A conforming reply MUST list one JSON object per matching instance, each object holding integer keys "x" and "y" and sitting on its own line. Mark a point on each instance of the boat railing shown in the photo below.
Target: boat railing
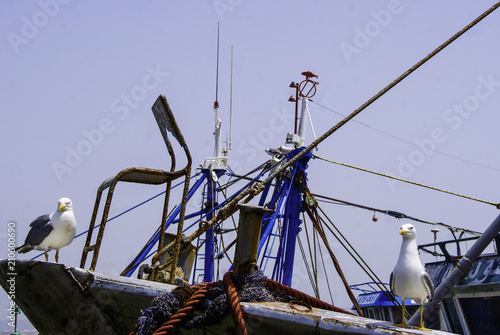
{"x": 442, "y": 245}
{"x": 369, "y": 287}
{"x": 167, "y": 124}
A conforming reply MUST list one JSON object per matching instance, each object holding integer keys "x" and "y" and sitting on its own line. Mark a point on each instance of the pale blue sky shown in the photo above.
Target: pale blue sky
{"x": 79, "y": 78}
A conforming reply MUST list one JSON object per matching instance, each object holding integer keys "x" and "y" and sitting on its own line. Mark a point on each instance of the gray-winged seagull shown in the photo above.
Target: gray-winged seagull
{"x": 51, "y": 231}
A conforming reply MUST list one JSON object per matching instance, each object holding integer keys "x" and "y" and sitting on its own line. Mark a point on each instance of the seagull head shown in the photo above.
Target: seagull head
{"x": 64, "y": 204}
{"x": 408, "y": 232}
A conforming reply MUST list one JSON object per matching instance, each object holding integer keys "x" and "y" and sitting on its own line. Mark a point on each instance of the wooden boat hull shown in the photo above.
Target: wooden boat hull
{"x": 67, "y": 300}
{"x": 59, "y": 299}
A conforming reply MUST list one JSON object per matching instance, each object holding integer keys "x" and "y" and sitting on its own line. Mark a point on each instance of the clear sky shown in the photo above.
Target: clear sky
{"x": 78, "y": 79}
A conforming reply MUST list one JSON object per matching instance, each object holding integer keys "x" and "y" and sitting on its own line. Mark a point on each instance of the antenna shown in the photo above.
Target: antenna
{"x": 217, "y": 148}
{"x": 219, "y": 160}
{"x": 230, "y": 103}
{"x": 216, "y": 103}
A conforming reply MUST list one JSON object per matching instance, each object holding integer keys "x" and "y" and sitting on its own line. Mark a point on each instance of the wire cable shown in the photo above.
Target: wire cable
{"x": 407, "y": 142}
{"x": 497, "y": 205}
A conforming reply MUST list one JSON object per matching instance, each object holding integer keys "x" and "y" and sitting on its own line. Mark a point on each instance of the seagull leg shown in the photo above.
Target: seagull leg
{"x": 403, "y": 322}
{"x": 421, "y": 326}
{"x": 57, "y": 256}
{"x": 46, "y": 257}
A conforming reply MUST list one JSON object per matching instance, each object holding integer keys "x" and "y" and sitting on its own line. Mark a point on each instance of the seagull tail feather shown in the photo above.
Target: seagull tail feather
{"x": 24, "y": 249}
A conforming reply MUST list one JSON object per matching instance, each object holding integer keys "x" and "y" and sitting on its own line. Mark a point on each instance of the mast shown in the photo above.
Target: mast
{"x": 287, "y": 198}
{"x": 217, "y": 149}
{"x": 213, "y": 169}
{"x": 305, "y": 90}
{"x": 219, "y": 159}
{"x": 229, "y": 141}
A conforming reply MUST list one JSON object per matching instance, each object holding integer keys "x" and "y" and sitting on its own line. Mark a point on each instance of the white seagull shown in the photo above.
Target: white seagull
{"x": 409, "y": 279}
{"x": 51, "y": 231}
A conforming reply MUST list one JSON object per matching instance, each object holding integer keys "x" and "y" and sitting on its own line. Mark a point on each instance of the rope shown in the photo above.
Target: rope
{"x": 405, "y": 141}
{"x": 397, "y": 215}
{"x": 366, "y": 268}
{"x": 252, "y": 191}
{"x": 287, "y": 290}
{"x": 188, "y": 307}
{"x": 497, "y": 205}
{"x": 316, "y": 220}
{"x": 234, "y": 302}
{"x": 233, "y": 298}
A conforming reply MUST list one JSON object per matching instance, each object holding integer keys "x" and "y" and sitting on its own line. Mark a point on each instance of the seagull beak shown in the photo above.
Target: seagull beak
{"x": 61, "y": 208}
{"x": 402, "y": 232}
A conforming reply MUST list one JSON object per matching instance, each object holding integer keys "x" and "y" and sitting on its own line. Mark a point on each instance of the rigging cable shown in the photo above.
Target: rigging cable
{"x": 124, "y": 212}
{"x": 324, "y": 269}
{"x": 252, "y": 191}
{"x": 407, "y": 142}
{"x": 399, "y": 215}
{"x": 308, "y": 269}
{"x": 497, "y": 205}
{"x": 366, "y": 268}
{"x": 314, "y": 261}
{"x": 316, "y": 221}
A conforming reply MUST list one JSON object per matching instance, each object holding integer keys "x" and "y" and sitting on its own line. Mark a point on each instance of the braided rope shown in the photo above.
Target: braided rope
{"x": 234, "y": 302}
{"x": 190, "y": 304}
{"x": 277, "y": 286}
{"x": 497, "y": 205}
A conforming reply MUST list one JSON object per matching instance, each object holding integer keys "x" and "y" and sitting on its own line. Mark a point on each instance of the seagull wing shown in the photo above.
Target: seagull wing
{"x": 428, "y": 283}
{"x": 391, "y": 283}
{"x": 40, "y": 221}
{"x": 40, "y": 229}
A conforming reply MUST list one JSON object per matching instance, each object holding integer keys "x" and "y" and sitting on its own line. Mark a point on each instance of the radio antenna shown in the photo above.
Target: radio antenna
{"x": 230, "y": 103}
{"x": 216, "y": 103}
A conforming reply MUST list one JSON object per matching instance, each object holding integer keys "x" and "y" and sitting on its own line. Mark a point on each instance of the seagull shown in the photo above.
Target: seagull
{"x": 409, "y": 279}
{"x": 51, "y": 231}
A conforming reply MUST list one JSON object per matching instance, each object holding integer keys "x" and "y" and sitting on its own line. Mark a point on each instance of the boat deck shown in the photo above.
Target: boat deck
{"x": 56, "y": 298}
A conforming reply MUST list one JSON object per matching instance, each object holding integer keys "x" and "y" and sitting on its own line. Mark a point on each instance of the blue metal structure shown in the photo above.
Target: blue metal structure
{"x": 210, "y": 241}
{"x": 285, "y": 221}
{"x": 279, "y": 229}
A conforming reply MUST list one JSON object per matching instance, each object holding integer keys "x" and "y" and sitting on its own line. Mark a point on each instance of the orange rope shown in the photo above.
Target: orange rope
{"x": 277, "y": 286}
{"x": 234, "y": 302}
{"x": 186, "y": 309}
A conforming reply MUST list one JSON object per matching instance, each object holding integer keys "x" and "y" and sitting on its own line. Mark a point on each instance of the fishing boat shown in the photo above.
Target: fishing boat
{"x": 188, "y": 249}
{"x": 79, "y": 298}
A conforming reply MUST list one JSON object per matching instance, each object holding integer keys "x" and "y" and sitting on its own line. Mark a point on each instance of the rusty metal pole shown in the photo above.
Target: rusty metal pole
{"x": 247, "y": 246}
